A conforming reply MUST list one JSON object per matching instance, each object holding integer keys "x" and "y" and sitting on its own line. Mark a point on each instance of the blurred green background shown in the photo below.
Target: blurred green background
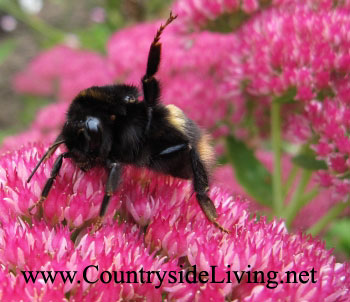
{"x": 28, "y": 26}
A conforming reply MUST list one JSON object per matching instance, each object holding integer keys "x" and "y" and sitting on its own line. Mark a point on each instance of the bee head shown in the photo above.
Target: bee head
{"x": 87, "y": 139}
{"x": 90, "y": 135}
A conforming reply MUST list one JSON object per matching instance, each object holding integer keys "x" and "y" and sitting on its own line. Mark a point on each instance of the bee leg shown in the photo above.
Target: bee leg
{"x": 59, "y": 140}
{"x": 54, "y": 172}
{"x": 201, "y": 187}
{"x": 113, "y": 181}
{"x": 154, "y": 52}
{"x": 150, "y": 85}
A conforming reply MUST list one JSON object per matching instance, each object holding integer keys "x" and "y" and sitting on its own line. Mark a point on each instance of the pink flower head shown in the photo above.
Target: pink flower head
{"x": 174, "y": 228}
{"x": 121, "y": 249}
{"x": 289, "y": 47}
{"x": 74, "y": 70}
{"x": 12, "y": 286}
{"x": 174, "y": 222}
{"x": 196, "y": 13}
{"x": 285, "y": 48}
{"x": 197, "y": 292}
{"x": 330, "y": 120}
{"x": 33, "y": 247}
{"x": 73, "y": 203}
{"x": 128, "y": 50}
{"x": 251, "y": 246}
{"x": 141, "y": 194}
{"x": 17, "y": 141}
{"x": 160, "y": 225}
{"x": 297, "y": 52}
{"x": 298, "y": 129}
{"x": 114, "y": 248}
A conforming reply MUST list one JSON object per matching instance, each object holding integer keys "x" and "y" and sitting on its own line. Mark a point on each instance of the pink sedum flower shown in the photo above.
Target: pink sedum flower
{"x": 205, "y": 74}
{"x": 12, "y": 290}
{"x": 306, "y": 50}
{"x": 197, "y": 13}
{"x": 129, "y": 58}
{"x": 330, "y": 120}
{"x": 174, "y": 228}
{"x": 298, "y": 129}
{"x": 119, "y": 248}
{"x": 197, "y": 292}
{"x": 14, "y": 142}
{"x": 73, "y": 203}
{"x": 73, "y": 70}
{"x": 280, "y": 50}
{"x": 24, "y": 247}
{"x": 254, "y": 246}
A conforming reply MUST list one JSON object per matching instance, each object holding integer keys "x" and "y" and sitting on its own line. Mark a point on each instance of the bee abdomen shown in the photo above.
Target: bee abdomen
{"x": 196, "y": 136}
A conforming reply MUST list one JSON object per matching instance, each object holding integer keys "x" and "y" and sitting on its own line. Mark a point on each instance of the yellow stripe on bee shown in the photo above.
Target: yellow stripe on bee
{"x": 176, "y": 118}
{"x": 206, "y": 151}
{"x": 91, "y": 92}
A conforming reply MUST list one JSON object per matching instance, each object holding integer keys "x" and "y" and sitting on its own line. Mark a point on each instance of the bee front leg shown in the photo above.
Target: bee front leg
{"x": 54, "y": 172}
{"x": 201, "y": 187}
{"x": 113, "y": 181}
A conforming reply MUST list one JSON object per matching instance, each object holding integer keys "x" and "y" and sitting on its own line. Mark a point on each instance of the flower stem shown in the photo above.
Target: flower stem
{"x": 297, "y": 201}
{"x": 276, "y": 148}
{"x": 327, "y": 218}
{"x": 291, "y": 178}
{"x": 304, "y": 200}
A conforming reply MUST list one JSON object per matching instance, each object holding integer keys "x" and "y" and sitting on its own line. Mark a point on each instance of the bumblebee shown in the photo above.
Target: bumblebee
{"x": 108, "y": 126}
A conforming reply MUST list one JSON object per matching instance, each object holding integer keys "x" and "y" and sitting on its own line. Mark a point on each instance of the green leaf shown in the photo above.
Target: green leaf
{"x": 250, "y": 172}
{"x": 227, "y": 22}
{"x": 324, "y": 93}
{"x": 222, "y": 160}
{"x": 288, "y": 96}
{"x": 338, "y": 236}
{"x": 95, "y": 37}
{"x": 6, "y": 48}
{"x": 308, "y": 161}
{"x": 31, "y": 106}
{"x": 155, "y": 7}
{"x": 5, "y": 133}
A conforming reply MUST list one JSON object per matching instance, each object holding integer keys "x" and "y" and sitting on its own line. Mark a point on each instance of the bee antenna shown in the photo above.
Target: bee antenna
{"x": 47, "y": 155}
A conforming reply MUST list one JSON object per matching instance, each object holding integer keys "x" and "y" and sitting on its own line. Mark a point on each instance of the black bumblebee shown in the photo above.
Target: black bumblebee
{"x": 108, "y": 126}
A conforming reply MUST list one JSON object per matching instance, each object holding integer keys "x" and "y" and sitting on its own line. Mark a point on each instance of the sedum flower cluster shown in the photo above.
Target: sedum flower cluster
{"x": 160, "y": 227}
{"x": 291, "y": 53}
{"x": 308, "y": 51}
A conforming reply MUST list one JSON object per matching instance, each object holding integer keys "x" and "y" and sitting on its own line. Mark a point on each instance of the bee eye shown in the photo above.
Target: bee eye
{"x": 129, "y": 99}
